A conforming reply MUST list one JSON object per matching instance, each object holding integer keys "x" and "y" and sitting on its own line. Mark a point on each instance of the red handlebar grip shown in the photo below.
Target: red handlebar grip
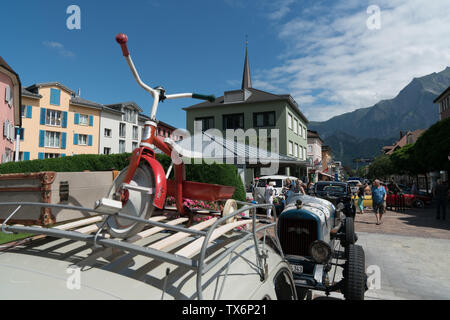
{"x": 122, "y": 40}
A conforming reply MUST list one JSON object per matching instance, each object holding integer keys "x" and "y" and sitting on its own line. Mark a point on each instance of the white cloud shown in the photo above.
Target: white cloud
{"x": 333, "y": 63}
{"x": 59, "y": 47}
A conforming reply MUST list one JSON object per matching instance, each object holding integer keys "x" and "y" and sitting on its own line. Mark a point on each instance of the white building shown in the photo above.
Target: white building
{"x": 121, "y": 128}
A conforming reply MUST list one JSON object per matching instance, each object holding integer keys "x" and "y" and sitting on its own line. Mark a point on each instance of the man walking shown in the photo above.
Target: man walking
{"x": 268, "y": 195}
{"x": 440, "y": 192}
{"x": 378, "y": 200}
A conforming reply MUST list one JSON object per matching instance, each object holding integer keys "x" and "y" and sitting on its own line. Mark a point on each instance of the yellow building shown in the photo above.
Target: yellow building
{"x": 57, "y": 123}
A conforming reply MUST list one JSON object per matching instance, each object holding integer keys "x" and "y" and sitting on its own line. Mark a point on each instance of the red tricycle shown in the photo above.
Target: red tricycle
{"x": 143, "y": 185}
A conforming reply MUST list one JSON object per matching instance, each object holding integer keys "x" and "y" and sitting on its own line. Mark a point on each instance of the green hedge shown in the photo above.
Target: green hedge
{"x": 216, "y": 173}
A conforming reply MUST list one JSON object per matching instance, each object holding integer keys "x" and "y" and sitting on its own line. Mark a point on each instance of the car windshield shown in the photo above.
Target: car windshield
{"x": 334, "y": 188}
{"x": 352, "y": 183}
{"x": 263, "y": 182}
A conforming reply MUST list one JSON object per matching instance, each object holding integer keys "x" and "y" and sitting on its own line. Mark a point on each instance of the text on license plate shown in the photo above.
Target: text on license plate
{"x": 297, "y": 268}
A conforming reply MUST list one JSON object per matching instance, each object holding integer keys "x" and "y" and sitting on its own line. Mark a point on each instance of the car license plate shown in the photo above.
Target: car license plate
{"x": 297, "y": 268}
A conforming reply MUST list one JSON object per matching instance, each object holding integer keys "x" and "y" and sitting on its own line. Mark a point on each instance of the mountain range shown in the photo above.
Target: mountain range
{"x": 363, "y": 132}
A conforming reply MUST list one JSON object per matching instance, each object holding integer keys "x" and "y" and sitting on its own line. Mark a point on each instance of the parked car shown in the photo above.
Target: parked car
{"x": 260, "y": 186}
{"x": 418, "y": 200}
{"x": 310, "y": 230}
{"x": 336, "y": 192}
{"x": 353, "y": 185}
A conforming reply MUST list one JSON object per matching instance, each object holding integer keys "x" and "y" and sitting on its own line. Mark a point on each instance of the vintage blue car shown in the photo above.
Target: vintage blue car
{"x": 316, "y": 235}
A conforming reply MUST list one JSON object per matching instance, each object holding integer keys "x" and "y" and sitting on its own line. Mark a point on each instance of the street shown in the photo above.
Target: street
{"x": 411, "y": 250}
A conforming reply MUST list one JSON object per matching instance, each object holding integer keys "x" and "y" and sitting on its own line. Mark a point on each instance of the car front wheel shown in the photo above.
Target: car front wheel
{"x": 355, "y": 280}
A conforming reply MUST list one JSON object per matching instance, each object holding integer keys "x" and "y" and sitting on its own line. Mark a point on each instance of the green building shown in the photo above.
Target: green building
{"x": 250, "y": 108}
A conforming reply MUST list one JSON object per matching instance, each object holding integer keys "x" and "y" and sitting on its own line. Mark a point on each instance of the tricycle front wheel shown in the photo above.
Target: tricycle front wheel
{"x": 135, "y": 203}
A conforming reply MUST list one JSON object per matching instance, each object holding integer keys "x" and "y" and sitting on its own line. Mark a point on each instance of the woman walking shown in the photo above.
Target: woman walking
{"x": 360, "y": 195}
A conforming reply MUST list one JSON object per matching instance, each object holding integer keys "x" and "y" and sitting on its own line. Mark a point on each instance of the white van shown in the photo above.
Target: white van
{"x": 260, "y": 186}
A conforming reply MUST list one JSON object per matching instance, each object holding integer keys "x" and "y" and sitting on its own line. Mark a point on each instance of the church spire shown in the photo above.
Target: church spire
{"x": 246, "y": 78}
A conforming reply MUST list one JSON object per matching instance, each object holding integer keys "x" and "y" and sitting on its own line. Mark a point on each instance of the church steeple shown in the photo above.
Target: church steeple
{"x": 246, "y": 78}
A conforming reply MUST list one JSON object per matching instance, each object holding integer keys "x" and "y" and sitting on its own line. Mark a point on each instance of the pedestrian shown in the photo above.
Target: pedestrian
{"x": 360, "y": 195}
{"x": 288, "y": 187}
{"x": 440, "y": 193}
{"x": 414, "y": 188}
{"x": 299, "y": 187}
{"x": 378, "y": 200}
{"x": 310, "y": 188}
{"x": 268, "y": 195}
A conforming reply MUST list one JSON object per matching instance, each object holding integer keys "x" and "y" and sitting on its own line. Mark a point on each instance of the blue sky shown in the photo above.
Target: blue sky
{"x": 319, "y": 51}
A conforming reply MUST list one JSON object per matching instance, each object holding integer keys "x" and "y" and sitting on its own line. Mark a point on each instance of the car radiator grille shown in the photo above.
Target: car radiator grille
{"x": 296, "y": 236}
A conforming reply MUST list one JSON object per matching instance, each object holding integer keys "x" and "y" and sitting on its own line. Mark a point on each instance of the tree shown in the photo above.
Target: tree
{"x": 432, "y": 149}
{"x": 382, "y": 167}
{"x": 405, "y": 161}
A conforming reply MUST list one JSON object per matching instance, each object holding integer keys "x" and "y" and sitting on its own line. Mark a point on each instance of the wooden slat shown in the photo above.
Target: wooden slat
{"x": 181, "y": 235}
{"x": 195, "y": 246}
{"x": 79, "y": 223}
{"x": 152, "y": 231}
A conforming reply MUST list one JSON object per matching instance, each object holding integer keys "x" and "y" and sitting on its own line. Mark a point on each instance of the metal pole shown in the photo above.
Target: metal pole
{"x": 16, "y": 157}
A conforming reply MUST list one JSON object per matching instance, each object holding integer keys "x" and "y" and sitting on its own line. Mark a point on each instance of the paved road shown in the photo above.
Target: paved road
{"x": 410, "y": 267}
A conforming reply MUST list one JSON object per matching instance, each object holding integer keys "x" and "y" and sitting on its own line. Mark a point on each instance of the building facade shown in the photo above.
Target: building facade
{"x": 314, "y": 155}
{"x": 10, "y": 88}
{"x": 249, "y": 108}
{"x": 444, "y": 104}
{"x": 57, "y": 123}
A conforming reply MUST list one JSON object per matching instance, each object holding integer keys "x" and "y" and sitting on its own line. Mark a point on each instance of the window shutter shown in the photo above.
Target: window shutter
{"x": 43, "y": 111}
{"x": 7, "y": 94}
{"x": 91, "y": 121}
{"x": 77, "y": 118}
{"x": 26, "y": 156}
{"x": 63, "y": 155}
{"x": 75, "y": 139}
{"x": 63, "y": 140}
{"x": 5, "y": 128}
{"x": 29, "y": 112}
{"x": 90, "y": 140}
{"x": 55, "y": 97}
{"x": 41, "y": 156}
{"x": 41, "y": 138}
{"x": 64, "y": 119}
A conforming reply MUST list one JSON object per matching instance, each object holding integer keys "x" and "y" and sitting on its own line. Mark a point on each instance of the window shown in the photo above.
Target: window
{"x": 233, "y": 121}
{"x": 296, "y": 150}
{"x": 289, "y": 121}
{"x": 106, "y": 150}
{"x": 135, "y": 133}
{"x": 122, "y": 133}
{"x": 121, "y": 146}
{"x": 291, "y": 146}
{"x": 304, "y": 133}
{"x": 84, "y": 120}
{"x": 130, "y": 115}
{"x": 82, "y": 139}
{"x": 51, "y": 155}
{"x": 207, "y": 123}
{"x": 53, "y": 118}
{"x": 300, "y": 130}
{"x": 134, "y": 145}
{"x": 304, "y": 153}
{"x": 296, "y": 126}
{"x": 310, "y": 149}
{"x": 22, "y": 111}
{"x": 108, "y": 133}
{"x": 52, "y": 139}
{"x": 264, "y": 119}
{"x": 284, "y": 287}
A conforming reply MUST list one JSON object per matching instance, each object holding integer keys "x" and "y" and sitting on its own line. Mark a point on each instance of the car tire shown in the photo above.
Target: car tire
{"x": 302, "y": 293}
{"x": 355, "y": 280}
{"x": 418, "y": 203}
{"x": 350, "y": 236}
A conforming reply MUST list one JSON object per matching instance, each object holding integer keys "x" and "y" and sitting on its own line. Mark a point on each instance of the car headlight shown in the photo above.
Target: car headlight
{"x": 320, "y": 251}
{"x": 340, "y": 206}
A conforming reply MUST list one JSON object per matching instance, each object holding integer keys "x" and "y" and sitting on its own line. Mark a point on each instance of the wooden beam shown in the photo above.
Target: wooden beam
{"x": 195, "y": 246}
{"x": 152, "y": 231}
